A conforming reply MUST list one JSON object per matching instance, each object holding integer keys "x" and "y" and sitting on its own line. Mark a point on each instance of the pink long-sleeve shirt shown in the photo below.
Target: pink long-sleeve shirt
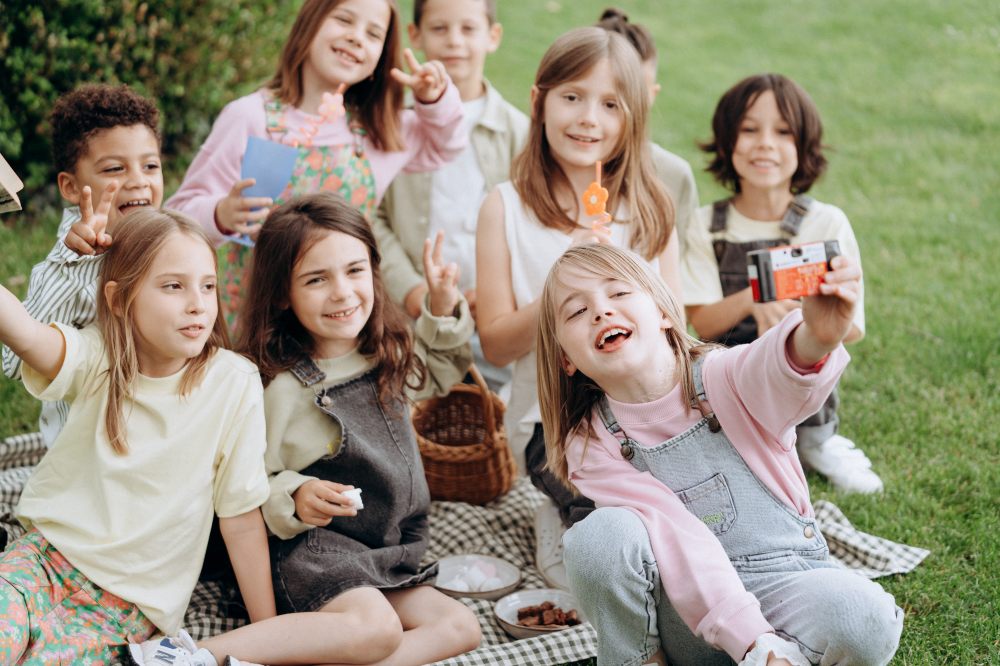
{"x": 758, "y": 397}
{"x": 431, "y": 133}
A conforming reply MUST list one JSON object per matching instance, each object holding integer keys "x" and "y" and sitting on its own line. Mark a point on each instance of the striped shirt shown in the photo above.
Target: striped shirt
{"x": 62, "y": 288}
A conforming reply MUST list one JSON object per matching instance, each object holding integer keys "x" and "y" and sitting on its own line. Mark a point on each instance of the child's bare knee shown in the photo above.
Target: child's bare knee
{"x": 382, "y": 631}
{"x": 461, "y": 624}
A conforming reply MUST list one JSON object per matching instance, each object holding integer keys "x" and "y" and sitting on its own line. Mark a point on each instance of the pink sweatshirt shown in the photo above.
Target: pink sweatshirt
{"x": 759, "y": 397}
{"x": 431, "y": 133}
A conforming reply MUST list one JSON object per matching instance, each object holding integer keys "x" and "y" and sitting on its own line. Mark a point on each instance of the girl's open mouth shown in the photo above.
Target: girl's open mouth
{"x": 612, "y": 338}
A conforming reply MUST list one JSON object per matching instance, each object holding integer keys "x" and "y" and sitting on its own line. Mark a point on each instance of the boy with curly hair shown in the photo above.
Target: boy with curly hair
{"x": 105, "y": 146}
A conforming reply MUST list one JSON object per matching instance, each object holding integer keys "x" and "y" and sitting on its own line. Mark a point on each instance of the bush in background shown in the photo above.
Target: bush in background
{"x": 190, "y": 56}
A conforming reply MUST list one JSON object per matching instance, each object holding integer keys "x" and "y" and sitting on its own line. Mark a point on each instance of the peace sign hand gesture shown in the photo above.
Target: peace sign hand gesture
{"x": 442, "y": 279}
{"x": 428, "y": 80}
{"x": 88, "y": 236}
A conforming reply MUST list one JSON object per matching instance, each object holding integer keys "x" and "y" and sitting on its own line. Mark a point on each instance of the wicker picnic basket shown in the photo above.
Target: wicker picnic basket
{"x": 463, "y": 444}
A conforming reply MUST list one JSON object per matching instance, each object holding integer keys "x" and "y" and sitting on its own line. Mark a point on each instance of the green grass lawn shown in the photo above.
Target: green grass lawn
{"x": 910, "y": 96}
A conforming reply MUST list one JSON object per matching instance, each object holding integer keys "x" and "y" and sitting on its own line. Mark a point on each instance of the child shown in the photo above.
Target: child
{"x": 688, "y": 451}
{"x": 106, "y": 145}
{"x": 589, "y": 103}
{"x": 767, "y": 149}
{"x": 460, "y": 34}
{"x": 336, "y": 357}
{"x": 333, "y": 45}
{"x": 672, "y": 169}
{"x": 165, "y": 429}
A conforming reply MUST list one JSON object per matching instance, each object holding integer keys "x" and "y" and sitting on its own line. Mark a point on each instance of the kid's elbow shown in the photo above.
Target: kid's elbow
{"x": 491, "y": 355}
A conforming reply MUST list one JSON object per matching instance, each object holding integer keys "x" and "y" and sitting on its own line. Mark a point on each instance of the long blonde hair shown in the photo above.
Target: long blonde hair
{"x": 138, "y": 239}
{"x": 628, "y": 172}
{"x": 566, "y": 401}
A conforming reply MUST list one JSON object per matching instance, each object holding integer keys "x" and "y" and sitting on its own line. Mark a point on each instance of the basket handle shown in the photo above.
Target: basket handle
{"x": 488, "y": 414}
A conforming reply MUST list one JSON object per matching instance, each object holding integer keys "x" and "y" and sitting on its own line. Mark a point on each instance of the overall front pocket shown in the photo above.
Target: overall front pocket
{"x": 712, "y": 503}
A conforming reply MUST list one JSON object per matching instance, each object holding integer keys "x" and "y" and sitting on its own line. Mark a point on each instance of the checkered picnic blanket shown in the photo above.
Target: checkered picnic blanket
{"x": 504, "y": 529}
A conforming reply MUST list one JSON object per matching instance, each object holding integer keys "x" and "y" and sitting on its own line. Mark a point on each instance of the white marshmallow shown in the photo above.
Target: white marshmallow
{"x": 354, "y": 495}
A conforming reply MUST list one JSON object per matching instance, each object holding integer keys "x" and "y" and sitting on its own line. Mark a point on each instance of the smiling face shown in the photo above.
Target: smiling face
{"x": 584, "y": 119}
{"x": 608, "y": 328}
{"x": 175, "y": 305}
{"x": 347, "y": 46}
{"x": 765, "y": 156}
{"x": 127, "y": 155}
{"x": 459, "y": 34}
{"x": 332, "y": 292}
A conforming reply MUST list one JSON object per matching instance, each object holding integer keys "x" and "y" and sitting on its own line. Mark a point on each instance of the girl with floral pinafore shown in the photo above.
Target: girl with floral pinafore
{"x": 337, "y": 97}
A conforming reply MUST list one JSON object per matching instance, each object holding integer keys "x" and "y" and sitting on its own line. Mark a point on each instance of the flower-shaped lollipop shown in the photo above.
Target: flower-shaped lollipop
{"x": 330, "y": 108}
{"x": 595, "y": 200}
{"x": 332, "y": 105}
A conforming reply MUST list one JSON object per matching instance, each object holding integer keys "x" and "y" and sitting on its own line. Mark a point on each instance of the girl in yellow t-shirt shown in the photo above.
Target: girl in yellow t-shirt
{"x": 165, "y": 429}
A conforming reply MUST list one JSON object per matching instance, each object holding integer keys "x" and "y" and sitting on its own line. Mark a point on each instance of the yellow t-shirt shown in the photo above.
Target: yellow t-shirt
{"x": 700, "y": 270}
{"x": 137, "y": 525}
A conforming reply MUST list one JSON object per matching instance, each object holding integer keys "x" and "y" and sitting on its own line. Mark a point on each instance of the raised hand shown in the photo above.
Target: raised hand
{"x": 830, "y": 315}
{"x": 442, "y": 279}
{"x": 236, "y": 213}
{"x": 317, "y": 502}
{"x": 428, "y": 80}
{"x": 88, "y": 236}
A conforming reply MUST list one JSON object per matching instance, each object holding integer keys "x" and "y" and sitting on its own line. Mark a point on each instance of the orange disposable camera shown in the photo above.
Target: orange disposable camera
{"x": 790, "y": 271}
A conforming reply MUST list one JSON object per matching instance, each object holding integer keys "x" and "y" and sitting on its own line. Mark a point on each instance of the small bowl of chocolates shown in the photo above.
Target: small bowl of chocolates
{"x": 530, "y": 613}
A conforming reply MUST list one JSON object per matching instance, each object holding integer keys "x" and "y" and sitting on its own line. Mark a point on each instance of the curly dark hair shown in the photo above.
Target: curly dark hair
{"x": 797, "y": 109}
{"x": 79, "y": 115}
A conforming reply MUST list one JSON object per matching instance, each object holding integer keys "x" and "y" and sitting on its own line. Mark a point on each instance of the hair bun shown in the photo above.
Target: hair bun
{"x": 614, "y": 14}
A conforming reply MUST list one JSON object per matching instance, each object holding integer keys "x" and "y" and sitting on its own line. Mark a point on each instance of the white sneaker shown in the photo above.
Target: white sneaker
{"x": 549, "y": 531}
{"x": 844, "y": 464}
{"x": 179, "y": 650}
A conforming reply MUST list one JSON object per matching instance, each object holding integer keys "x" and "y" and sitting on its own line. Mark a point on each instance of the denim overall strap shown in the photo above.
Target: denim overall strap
{"x": 307, "y": 372}
{"x": 792, "y": 221}
{"x": 720, "y": 215}
{"x": 709, "y": 476}
{"x": 611, "y": 423}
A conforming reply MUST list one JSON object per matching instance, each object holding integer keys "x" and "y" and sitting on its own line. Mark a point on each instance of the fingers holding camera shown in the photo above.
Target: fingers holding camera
{"x": 829, "y": 317}
{"x": 844, "y": 281}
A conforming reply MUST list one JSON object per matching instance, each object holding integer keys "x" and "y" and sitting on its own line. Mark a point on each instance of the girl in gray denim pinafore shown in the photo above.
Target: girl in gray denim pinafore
{"x": 780, "y": 556}
{"x": 382, "y": 545}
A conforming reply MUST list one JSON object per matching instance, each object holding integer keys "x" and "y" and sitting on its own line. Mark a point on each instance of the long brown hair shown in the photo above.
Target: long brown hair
{"x": 138, "y": 238}
{"x": 566, "y": 400}
{"x": 628, "y": 172}
{"x": 270, "y": 333}
{"x": 376, "y": 102}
